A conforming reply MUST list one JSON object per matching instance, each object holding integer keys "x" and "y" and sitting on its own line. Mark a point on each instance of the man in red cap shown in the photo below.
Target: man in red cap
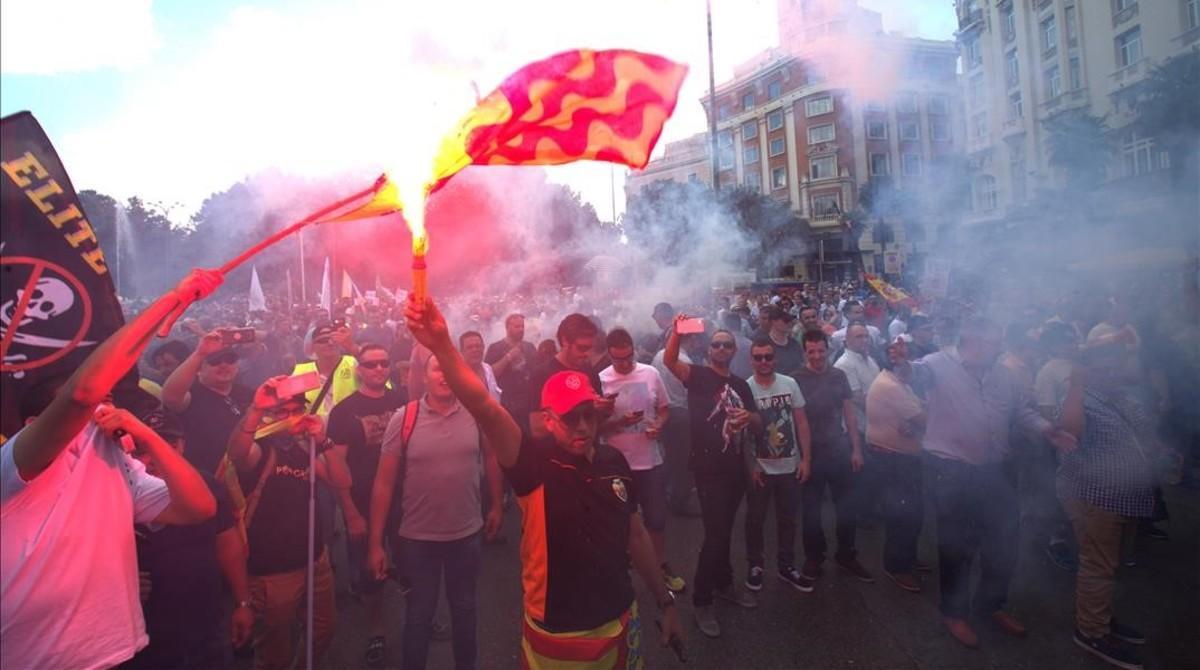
{"x": 580, "y": 525}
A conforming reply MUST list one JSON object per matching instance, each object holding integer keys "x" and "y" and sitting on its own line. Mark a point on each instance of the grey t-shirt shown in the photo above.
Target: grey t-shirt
{"x": 442, "y": 469}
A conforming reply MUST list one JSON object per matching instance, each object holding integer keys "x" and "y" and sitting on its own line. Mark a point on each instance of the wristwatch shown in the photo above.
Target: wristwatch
{"x": 669, "y": 602}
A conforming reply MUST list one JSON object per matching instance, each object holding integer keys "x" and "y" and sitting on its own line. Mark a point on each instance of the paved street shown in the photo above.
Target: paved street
{"x": 848, "y": 624}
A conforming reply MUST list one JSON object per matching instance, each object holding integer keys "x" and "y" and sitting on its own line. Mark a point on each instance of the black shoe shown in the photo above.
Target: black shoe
{"x": 1125, "y": 633}
{"x": 812, "y": 569}
{"x": 376, "y": 650}
{"x": 1106, "y": 649}
{"x": 441, "y": 631}
{"x": 754, "y": 580}
{"x": 798, "y": 581}
{"x": 855, "y": 568}
{"x": 1153, "y": 532}
{"x": 1060, "y": 554}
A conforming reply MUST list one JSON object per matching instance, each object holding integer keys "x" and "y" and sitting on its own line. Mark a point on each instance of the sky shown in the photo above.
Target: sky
{"x": 172, "y": 101}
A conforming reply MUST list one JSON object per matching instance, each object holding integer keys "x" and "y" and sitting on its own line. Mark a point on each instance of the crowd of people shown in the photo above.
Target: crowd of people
{"x": 1062, "y": 422}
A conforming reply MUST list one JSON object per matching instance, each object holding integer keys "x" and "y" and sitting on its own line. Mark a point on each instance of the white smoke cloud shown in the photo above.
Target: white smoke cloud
{"x": 66, "y": 36}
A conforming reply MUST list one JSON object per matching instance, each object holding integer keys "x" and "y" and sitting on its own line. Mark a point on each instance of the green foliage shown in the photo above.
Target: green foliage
{"x": 1078, "y": 145}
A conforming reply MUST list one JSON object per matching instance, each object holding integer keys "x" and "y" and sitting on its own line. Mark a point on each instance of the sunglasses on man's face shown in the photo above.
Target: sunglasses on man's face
{"x": 374, "y": 365}
{"x": 723, "y": 345}
{"x": 580, "y": 414}
{"x": 764, "y": 358}
{"x": 322, "y": 340}
{"x": 227, "y": 358}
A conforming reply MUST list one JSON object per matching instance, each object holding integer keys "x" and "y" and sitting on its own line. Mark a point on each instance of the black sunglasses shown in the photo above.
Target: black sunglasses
{"x": 371, "y": 365}
{"x": 723, "y": 345}
{"x": 586, "y": 413}
{"x": 764, "y": 358}
{"x": 226, "y": 357}
{"x": 322, "y": 340}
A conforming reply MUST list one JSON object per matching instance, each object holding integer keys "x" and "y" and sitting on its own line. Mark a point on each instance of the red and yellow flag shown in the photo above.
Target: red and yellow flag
{"x": 890, "y": 293}
{"x": 384, "y": 199}
{"x": 576, "y": 105}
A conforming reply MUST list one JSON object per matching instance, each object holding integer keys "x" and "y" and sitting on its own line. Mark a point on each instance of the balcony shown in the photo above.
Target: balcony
{"x": 1013, "y": 127}
{"x": 1130, "y": 73}
{"x": 1188, "y": 36}
{"x": 970, "y": 20}
{"x": 1125, "y": 14}
{"x": 1053, "y": 104}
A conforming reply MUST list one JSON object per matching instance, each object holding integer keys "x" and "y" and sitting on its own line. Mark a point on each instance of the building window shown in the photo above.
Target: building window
{"x": 1138, "y": 156}
{"x": 818, "y": 106}
{"x": 1014, "y": 106}
{"x": 775, "y": 120}
{"x": 1016, "y": 171}
{"x": 725, "y": 139}
{"x": 1053, "y": 83}
{"x": 774, "y": 90}
{"x": 876, "y": 106}
{"x": 822, "y": 133}
{"x": 1012, "y": 69}
{"x": 750, "y": 154}
{"x": 725, "y": 158}
{"x": 906, "y": 103}
{"x": 1129, "y": 47}
{"x": 777, "y": 147}
{"x": 979, "y": 125}
{"x": 910, "y": 165}
{"x": 748, "y": 100}
{"x": 977, "y": 90}
{"x": 909, "y": 130}
{"x": 754, "y": 181}
{"x": 749, "y": 130}
{"x": 779, "y": 178}
{"x": 985, "y": 193}
{"x": 1121, "y": 5}
{"x": 939, "y": 130}
{"x": 1008, "y": 24}
{"x": 1072, "y": 30}
{"x": 1049, "y": 33}
{"x": 824, "y": 167}
{"x": 722, "y": 112}
{"x": 1191, "y": 13}
{"x": 693, "y": 178}
{"x": 1074, "y": 76}
{"x": 877, "y": 130}
{"x": 973, "y": 52}
{"x": 826, "y": 205}
{"x": 879, "y": 165}
{"x": 938, "y": 104}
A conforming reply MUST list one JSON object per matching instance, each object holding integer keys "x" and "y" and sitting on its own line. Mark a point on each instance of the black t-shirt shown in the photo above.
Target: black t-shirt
{"x": 359, "y": 422}
{"x": 824, "y": 394}
{"x": 186, "y": 599}
{"x": 208, "y": 421}
{"x": 514, "y": 381}
{"x": 279, "y": 530}
{"x": 574, "y": 554}
{"x": 548, "y": 370}
{"x": 709, "y": 395}
{"x": 789, "y": 356}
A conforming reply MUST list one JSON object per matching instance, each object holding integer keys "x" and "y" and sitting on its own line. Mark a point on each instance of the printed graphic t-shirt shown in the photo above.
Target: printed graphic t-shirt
{"x": 777, "y": 450}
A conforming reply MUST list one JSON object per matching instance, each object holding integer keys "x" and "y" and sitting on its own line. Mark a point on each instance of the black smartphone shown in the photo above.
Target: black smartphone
{"x": 676, "y": 644}
{"x": 231, "y": 336}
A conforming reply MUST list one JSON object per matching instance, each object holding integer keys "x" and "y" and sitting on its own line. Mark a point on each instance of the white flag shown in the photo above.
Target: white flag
{"x": 326, "y": 300}
{"x": 258, "y": 301}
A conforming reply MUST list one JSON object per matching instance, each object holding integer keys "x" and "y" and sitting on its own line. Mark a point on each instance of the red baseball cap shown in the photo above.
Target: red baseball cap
{"x": 563, "y": 391}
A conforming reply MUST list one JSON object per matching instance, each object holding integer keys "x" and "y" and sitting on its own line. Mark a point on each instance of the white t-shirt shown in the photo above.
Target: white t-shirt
{"x": 675, "y": 391}
{"x": 1050, "y": 385}
{"x": 861, "y": 372}
{"x": 778, "y": 449}
{"x": 68, "y": 562}
{"x": 641, "y": 390}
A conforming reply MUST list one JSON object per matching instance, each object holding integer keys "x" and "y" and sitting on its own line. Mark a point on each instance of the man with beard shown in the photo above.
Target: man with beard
{"x": 356, "y": 428}
{"x": 204, "y": 392}
{"x": 576, "y": 340}
{"x": 721, "y": 407}
{"x": 470, "y": 344}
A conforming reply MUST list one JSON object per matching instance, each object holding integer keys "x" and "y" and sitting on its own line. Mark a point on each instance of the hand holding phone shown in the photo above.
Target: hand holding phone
{"x": 294, "y": 386}
{"x": 232, "y": 336}
{"x": 689, "y": 326}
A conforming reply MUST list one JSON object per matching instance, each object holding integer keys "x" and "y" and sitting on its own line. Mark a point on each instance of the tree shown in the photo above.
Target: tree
{"x": 1167, "y": 103}
{"x": 1078, "y": 145}
{"x": 772, "y": 223}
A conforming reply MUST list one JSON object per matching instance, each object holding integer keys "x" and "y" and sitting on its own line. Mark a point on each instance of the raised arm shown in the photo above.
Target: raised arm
{"x": 429, "y": 328}
{"x": 176, "y": 390}
{"x": 671, "y": 353}
{"x": 69, "y": 412}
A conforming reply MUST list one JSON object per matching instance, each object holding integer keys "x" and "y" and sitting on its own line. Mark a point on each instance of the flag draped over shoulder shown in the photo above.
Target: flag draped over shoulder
{"x": 57, "y": 300}
{"x": 576, "y": 105}
{"x": 890, "y": 293}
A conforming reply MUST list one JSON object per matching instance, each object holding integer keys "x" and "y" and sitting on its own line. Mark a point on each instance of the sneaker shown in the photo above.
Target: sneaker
{"x": 754, "y": 580}
{"x": 1126, "y": 633}
{"x": 706, "y": 620}
{"x": 905, "y": 581}
{"x": 798, "y": 581}
{"x": 673, "y": 582}
{"x": 1060, "y": 554}
{"x": 1106, "y": 649}
{"x": 1152, "y": 531}
{"x": 738, "y": 597}
{"x": 962, "y": 631}
{"x": 1009, "y": 624}
{"x": 812, "y": 569}
{"x": 922, "y": 567}
{"x": 855, "y": 568}
{"x": 376, "y": 650}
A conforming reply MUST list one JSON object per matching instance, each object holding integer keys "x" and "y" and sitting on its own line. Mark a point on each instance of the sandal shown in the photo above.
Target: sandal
{"x": 374, "y": 655}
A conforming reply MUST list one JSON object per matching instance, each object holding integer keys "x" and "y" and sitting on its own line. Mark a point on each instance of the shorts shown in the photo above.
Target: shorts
{"x": 650, "y": 491}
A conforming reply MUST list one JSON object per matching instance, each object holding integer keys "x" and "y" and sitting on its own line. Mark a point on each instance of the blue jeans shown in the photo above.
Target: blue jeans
{"x": 423, "y": 563}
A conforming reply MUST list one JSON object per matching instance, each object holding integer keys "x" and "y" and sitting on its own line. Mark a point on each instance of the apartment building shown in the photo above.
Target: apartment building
{"x": 686, "y": 160}
{"x": 1026, "y": 61}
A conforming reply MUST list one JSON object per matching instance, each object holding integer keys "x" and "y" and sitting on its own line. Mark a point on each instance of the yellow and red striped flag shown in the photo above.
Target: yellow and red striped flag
{"x": 890, "y": 293}
{"x": 576, "y": 105}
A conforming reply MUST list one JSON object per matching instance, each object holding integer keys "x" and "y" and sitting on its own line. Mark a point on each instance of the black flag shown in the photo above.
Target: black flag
{"x": 57, "y": 301}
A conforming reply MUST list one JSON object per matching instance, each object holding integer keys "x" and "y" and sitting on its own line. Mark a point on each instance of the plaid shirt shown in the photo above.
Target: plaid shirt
{"x": 1112, "y": 468}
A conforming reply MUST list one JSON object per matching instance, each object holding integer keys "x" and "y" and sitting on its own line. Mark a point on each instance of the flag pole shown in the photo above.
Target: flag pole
{"x": 303, "y": 290}
{"x": 712, "y": 101}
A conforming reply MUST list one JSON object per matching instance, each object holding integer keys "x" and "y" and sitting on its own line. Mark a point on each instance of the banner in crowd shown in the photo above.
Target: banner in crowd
{"x": 57, "y": 300}
{"x": 890, "y": 293}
